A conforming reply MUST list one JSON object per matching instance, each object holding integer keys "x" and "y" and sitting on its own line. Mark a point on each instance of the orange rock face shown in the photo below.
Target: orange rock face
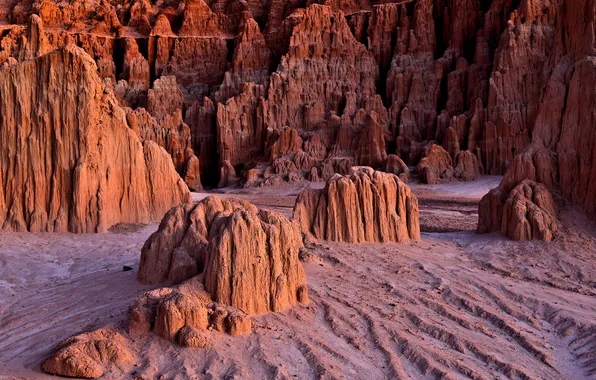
{"x": 248, "y": 258}
{"x": 436, "y": 167}
{"x": 357, "y": 81}
{"x": 367, "y": 206}
{"x": 70, "y": 160}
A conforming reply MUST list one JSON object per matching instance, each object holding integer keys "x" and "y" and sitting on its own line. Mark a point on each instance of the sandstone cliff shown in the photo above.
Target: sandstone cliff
{"x": 561, "y": 153}
{"x": 70, "y": 162}
{"x": 360, "y": 80}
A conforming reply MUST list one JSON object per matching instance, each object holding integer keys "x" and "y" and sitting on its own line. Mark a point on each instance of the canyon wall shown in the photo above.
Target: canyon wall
{"x": 69, "y": 161}
{"x": 561, "y": 155}
{"x": 355, "y": 81}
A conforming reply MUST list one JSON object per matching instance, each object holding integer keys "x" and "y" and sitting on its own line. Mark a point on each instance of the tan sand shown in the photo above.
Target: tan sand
{"x": 455, "y": 305}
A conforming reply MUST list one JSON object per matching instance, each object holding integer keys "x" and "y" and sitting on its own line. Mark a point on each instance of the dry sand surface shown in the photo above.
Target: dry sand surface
{"x": 454, "y": 305}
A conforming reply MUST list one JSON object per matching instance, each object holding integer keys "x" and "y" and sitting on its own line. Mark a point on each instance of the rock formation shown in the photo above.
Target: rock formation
{"x": 436, "y": 167}
{"x": 185, "y": 314}
{"x": 362, "y": 79}
{"x": 232, "y": 261}
{"x": 395, "y": 165}
{"x": 527, "y": 212}
{"x": 70, "y": 160}
{"x": 228, "y": 242}
{"x": 467, "y": 167}
{"x": 561, "y": 152}
{"x": 366, "y": 206}
{"x": 89, "y": 355}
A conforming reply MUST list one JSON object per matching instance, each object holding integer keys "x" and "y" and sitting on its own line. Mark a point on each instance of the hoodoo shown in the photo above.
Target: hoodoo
{"x": 235, "y": 256}
{"x": 366, "y": 206}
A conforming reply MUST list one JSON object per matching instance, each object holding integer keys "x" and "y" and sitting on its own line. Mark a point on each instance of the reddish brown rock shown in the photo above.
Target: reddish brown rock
{"x": 89, "y": 355}
{"x": 34, "y": 42}
{"x": 185, "y": 314}
{"x": 192, "y": 174}
{"x": 194, "y": 338}
{"x": 527, "y": 212}
{"x": 142, "y": 313}
{"x": 201, "y": 119}
{"x": 366, "y": 206}
{"x": 255, "y": 278}
{"x": 252, "y": 57}
{"x": 288, "y": 142}
{"x": 136, "y": 67}
{"x": 169, "y": 132}
{"x": 185, "y": 306}
{"x": 467, "y": 167}
{"x": 200, "y": 21}
{"x": 165, "y": 97}
{"x": 87, "y": 146}
{"x": 487, "y": 77}
{"x": 323, "y": 65}
{"x": 563, "y": 140}
{"x": 396, "y": 166}
{"x": 240, "y": 137}
{"x": 436, "y": 167}
{"x": 227, "y": 177}
{"x": 372, "y": 149}
{"x": 249, "y": 259}
{"x": 238, "y": 324}
{"x": 185, "y": 226}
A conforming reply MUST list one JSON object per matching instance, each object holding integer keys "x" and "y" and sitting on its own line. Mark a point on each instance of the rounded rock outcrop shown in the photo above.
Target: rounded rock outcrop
{"x": 89, "y": 355}
{"x": 436, "y": 167}
{"x": 248, "y": 259}
{"x": 366, "y": 206}
{"x": 527, "y": 212}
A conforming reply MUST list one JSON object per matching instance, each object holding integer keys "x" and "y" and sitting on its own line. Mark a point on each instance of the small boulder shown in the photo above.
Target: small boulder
{"x": 238, "y": 324}
{"x": 89, "y": 355}
{"x": 194, "y": 338}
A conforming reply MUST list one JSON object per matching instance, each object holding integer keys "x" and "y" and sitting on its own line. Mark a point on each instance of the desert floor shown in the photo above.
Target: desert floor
{"x": 454, "y": 305}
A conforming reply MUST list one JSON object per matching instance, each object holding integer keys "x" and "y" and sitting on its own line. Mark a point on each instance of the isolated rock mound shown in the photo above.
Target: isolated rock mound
{"x": 185, "y": 314}
{"x": 89, "y": 355}
{"x": 437, "y": 167}
{"x": 183, "y": 234}
{"x": 70, "y": 162}
{"x": 467, "y": 167}
{"x": 527, "y": 212}
{"x": 366, "y": 206}
{"x": 252, "y": 261}
{"x": 233, "y": 260}
{"x": 247, "y": 258}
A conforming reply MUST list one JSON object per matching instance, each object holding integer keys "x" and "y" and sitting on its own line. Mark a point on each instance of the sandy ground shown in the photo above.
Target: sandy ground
{"x": 454, "y": 305}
